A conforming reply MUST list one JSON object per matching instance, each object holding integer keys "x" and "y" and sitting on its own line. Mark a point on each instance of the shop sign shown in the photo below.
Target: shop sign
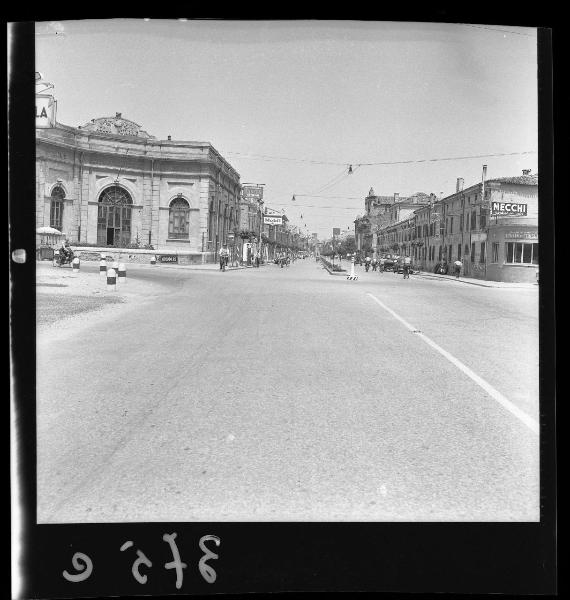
{"x": 168, "y": 258}
{"x": 508, "y": 208}
{"x": 45, "y": 111}
{"x": 253, "y": 193}
{"x": 272, "y": 220}
{"x": 521, "y": 235}
{"x": 230, "y": 239}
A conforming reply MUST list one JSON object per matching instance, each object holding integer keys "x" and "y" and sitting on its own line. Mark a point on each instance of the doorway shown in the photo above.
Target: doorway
{"x": 114, "y": 217}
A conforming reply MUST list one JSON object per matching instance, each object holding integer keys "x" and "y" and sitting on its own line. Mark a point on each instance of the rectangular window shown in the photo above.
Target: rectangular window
{"x": 483, "y": 253}
{"x": 56, "y": 214}
{"x": 458, "y": 251}
{"x": 460, "y": 223}
{"x": 451, "y": 225}
{"x": 495, "y": 252}
{"x": 473, "y": 220}
{"x": 473, "y": 252}
{"x": 483, "y": 219}
{"x": 521, "y": 253}
{"x": 527, "y": 253}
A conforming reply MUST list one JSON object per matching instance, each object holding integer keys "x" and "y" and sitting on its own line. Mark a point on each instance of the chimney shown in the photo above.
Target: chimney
{"x": 459, "y": 186}
{"x": 526, "y": 171}
{"x": 396, "y": 197}
{"x": 484, "y": 172}
{"x": 117, "y": 115}
{"x": 169, "y": 138}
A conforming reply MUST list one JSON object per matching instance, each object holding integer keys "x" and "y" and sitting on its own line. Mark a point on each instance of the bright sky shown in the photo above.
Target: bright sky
{"x": 292, "y": 104}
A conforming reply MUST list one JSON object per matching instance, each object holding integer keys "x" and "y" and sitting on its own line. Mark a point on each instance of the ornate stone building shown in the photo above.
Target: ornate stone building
{"x": 110, "y": 183}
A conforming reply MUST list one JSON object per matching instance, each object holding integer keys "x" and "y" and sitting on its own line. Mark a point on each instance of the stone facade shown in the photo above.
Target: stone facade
{"x": 109, "y": 183}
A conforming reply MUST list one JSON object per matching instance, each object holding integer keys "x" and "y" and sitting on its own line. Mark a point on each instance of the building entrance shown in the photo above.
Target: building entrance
{"x": 114, "y": 217}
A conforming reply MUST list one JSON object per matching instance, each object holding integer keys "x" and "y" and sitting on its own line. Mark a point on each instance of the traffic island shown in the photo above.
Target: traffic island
{"x": 333, "y": 269}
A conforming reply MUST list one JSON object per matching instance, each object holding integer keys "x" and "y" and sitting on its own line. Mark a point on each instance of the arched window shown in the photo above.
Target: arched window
{"x": 179, "y": 220}
{"x": 56, "y": 208}
{"x": 114, "y": 217}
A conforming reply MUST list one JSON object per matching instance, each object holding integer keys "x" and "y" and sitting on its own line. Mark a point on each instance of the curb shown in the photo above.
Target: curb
{"x": 487, "y": 285}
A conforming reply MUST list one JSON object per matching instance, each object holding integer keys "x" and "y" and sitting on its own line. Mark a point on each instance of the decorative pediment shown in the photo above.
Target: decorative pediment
{"x": 116, "y": 125}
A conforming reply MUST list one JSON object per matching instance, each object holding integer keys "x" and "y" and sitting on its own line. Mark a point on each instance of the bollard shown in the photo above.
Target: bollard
{"x": 75, "y": 265}
{"x": 352, "y": 275}
{"x": 103, "y": 268}
{"x": 153, "y": 260}
{"x": 111, "y": 280}
{"x": 122, "y": 274}
{"x": 115, "y": 266}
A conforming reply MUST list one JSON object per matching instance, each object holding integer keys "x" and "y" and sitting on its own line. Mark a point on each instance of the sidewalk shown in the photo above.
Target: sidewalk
{"x": 479, "y": 282}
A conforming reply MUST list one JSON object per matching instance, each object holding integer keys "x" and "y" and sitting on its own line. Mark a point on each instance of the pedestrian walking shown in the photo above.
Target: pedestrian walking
{"x": 457, "y": 268}
{"x": 407, "y": 267}
{"x": 257, "y": 259}
{"x": 374, "y": 264}
{"x": 382, "y": 263}
{"x": 224, "y": 256}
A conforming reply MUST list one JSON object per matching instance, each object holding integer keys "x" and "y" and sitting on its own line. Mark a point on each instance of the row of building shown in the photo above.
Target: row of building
{"x": 108, "y": 183}
{"x": 491, "y": 226}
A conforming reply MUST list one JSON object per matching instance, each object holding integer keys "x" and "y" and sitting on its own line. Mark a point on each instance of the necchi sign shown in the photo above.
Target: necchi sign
{"x": 508, "y": 208}
{"x": 272, "y": 220}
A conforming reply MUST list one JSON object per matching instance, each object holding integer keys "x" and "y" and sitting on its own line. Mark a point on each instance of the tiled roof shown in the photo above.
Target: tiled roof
{"x": 519, "y": 179}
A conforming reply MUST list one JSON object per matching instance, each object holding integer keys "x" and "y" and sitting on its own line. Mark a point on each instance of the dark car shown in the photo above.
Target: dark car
{"x": 389, "y": 264}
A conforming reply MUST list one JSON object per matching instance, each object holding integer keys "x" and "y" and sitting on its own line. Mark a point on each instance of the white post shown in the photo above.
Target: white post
{"x": 122, "y": 274}
{"x": 103, "y": 268}
{"x": 111, "y": 280}
{"x": 153, "y": 260}
{"x": 352, "y": 274}
{"x": 75, "y": 265}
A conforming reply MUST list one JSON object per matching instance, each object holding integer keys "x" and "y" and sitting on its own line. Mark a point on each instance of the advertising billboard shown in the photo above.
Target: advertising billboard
{"x": 508, "y": 208}
{"x": 45, "y": 111}
{"x": 251, "y": 192}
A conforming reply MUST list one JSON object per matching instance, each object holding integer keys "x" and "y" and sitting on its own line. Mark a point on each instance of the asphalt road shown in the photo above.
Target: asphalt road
{"x": 293, "y": 395}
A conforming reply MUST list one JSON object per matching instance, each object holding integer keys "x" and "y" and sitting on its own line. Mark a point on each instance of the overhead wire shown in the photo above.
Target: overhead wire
{"x": 356, "y": 164}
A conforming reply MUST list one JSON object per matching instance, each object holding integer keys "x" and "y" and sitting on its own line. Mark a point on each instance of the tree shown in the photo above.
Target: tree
{"x": 348, "y": 245}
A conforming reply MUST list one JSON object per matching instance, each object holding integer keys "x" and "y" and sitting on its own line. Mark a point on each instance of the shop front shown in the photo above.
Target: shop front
{"x": 513, "y": 253}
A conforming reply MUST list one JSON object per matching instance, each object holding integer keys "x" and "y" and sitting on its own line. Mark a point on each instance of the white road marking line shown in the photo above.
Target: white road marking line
{"x": 496, "y": 395}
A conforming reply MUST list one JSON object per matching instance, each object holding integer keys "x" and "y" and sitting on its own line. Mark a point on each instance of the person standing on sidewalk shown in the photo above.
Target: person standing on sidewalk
{"x": 257, "y": 259}
{"x": 457, "y": 268}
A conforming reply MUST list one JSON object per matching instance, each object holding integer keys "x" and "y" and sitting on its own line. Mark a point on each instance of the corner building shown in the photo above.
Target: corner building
{"x": 109, "y": 183}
